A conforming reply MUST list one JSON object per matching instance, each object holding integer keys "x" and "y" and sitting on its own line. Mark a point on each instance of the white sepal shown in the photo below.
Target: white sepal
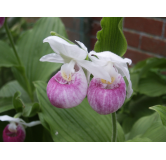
{"x": 56, "y": 43}
{"x": 53, "y": 57}
{"x": 123, "y": 70}
{"x": 109, "y": 56}
{"x": 62, "y": 47}
{"x": 96, "y": 70}
{"x": 82, "y": 45}
{"x": 19, "y": 120}
{"x": 97, "y": 61}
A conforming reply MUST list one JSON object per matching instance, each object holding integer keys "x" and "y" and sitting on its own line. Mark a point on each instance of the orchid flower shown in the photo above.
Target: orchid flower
{"x": 2, "y": 20}
{"x": 15, "y": 130}
{"x": 68, "y": 87}
{"x": 105, "y": 96}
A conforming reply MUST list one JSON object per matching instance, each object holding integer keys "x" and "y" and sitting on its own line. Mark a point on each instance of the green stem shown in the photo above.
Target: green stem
{"x": 114, "y": 127}
{"x": 29, "y": 90}
{"x": 11, "y": 41}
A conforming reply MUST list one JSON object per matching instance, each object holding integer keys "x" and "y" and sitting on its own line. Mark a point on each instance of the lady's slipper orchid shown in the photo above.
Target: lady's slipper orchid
{"x": 15, "y": 131}
{"x": 68, "y": 87}
{"x": 2, "y": 20}
{"x": 105, "y": 96}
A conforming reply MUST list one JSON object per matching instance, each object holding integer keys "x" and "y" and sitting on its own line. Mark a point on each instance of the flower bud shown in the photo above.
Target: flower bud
{"x": 2, "y": 20}
{"x": 106, "y": 98}
{"x": 14, "y": 133}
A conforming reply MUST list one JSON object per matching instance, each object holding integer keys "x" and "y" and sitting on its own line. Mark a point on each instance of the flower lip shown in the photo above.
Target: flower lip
{"x": 105, "y": 101}
{"x": 12, "y": 136}
{"x": 70, "y": 94}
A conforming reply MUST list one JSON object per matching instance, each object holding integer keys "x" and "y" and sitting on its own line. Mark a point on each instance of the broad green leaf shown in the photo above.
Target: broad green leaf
{"x": 43, "y": 121}
{"x": 30, "y": 110}
{"x": 17, "y": 102}
{"x": 157, "y": 132}
{"x": 127, "y": 124}
{"x": 7, "y": 56}
{"x": 78, "y": 124}
{"x": 111, "y": 37}
{"x": 138, "y": 66}
{"x": 142, "y": 125}
{"x": 135, "y": 108}
{"x": 140, "y": 139}
{"x": 153, "y": 63}
{"x": 31, "y": 49}
{"x": 153, "y": 85}
{"x": 18, "y": 72}
{"x": 9, "y": 89}
{"x": 161, "y": 110}
{"x": 46, "y": 136}
{"x": 6, "y": 104}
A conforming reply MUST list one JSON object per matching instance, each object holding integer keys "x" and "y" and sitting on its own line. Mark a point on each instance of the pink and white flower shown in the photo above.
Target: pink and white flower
{"x": 69, "y": 86}
{"x": 106, "y": 96}
{"x": 15, "y": 130}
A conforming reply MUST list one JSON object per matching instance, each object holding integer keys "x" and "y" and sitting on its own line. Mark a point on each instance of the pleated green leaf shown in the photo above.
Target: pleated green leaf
{"x": 31, "y": 110}
{"x": 140, "y": 139}
{"x": 17, "y": 102}
{"x": 142, "y": 125}
{"x": 27, "y": 109}
{"x": 7, "y": 57}
{"x": 6, "y": 104}
{"x": 111, "y": 37}
{"x": 79, "y": 124}
{"x": 10, "y": 88}
{"x": 157, "y": 132}
{"x": 161, "y": 110}
{"x": 31, "y": 49}
{"x": 152, "y": 85}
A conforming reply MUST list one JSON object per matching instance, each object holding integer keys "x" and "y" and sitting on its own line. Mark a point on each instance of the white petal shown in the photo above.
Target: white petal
{"x": 52, "y": 58}
{"x": 54, "y": 42}
{"x": 60, "y": 46}
{"x": 19, "y": 120}
{"x": 10, "y": 119}
{"x": 33, "y": 123}
{"x": 123, "y": 70}
{"x": 96, "y": 70}
{"x": 100, "y": 62}
{"x": 82, "y": 45}
{"x": 109, "y": 56}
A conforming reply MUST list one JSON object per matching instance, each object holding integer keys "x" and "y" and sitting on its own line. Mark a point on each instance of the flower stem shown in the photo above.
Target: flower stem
{"x": 29, "y": 90}
{"x": 114, "y": 127}
{"x": 11, "y": 41}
